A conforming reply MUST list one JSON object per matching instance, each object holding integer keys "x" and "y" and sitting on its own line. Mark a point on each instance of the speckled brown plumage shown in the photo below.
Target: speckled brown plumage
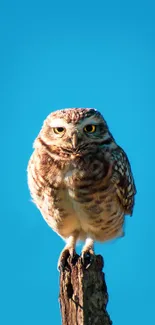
{"x": 80, "y": 179}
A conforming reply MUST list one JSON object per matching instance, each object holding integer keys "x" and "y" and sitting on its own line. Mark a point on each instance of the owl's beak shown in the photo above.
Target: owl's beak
{"x": 74, "y": 140}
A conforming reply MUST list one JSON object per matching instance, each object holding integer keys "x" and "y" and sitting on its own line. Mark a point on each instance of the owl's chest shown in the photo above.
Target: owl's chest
{"x": 91, "y": 195}
{"x": 83, "y": 179}
{"x": 78, "y": 177}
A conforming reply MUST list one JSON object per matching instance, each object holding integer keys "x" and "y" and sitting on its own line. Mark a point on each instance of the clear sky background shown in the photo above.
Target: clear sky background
{"x": 57, "y": 54}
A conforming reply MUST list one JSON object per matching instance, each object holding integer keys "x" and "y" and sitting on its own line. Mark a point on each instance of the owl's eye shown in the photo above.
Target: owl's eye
{"x": 90, "y": 128}
{"x": 59, "y": 130}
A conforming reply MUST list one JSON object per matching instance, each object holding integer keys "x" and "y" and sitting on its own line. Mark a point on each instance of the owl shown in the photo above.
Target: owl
{"x": 80, "y": 180}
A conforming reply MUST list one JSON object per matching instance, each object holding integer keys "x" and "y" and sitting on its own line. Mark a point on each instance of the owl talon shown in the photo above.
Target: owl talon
{"x": 87, "y": 258}
{"x": 63, "y": 259}
{"x": 61, "y": 267}
{"x": 62, "y": 262}
{"x": 73, "y": 255}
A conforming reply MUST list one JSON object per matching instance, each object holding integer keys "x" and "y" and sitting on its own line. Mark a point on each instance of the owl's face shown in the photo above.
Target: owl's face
{"x": 74, "y": 130}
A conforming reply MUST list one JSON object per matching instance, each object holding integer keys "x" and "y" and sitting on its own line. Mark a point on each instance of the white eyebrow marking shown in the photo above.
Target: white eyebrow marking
{"x": 59, "y": 122}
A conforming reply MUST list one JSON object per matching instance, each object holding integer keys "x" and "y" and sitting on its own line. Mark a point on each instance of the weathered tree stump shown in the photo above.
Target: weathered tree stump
{"x": 83, "y": 294}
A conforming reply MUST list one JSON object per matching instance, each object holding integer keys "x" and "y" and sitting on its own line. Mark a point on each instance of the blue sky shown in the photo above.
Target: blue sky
{"x": 56, "y": 54}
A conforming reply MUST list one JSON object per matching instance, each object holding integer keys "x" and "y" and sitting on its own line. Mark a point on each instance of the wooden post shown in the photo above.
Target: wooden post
{"x": 83, "y": 294}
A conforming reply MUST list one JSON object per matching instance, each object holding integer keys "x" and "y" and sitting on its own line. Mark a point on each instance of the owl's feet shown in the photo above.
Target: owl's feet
{"x": 87, "y": 257}
{"x": 63, "y": 259}
{"x": 87, "y": 254}
{"x": 68, "y": 251}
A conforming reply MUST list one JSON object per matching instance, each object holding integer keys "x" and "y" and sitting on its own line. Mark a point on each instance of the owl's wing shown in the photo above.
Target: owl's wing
{"x": 123, "y": 179}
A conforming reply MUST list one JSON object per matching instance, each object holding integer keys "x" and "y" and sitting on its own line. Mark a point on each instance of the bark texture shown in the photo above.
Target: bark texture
{"x": 83, "y": 294}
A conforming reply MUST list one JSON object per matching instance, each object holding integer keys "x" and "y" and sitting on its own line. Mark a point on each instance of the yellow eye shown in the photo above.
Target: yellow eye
{"x": 90, "y": 128}
{"x": 59, "y": 130}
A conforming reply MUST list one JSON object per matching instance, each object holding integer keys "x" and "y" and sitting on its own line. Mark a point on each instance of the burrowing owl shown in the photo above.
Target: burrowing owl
{"x": 80, "y": 179}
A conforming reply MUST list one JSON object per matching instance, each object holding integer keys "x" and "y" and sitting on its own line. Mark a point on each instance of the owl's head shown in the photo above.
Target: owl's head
{"x": 74, "y": 130}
